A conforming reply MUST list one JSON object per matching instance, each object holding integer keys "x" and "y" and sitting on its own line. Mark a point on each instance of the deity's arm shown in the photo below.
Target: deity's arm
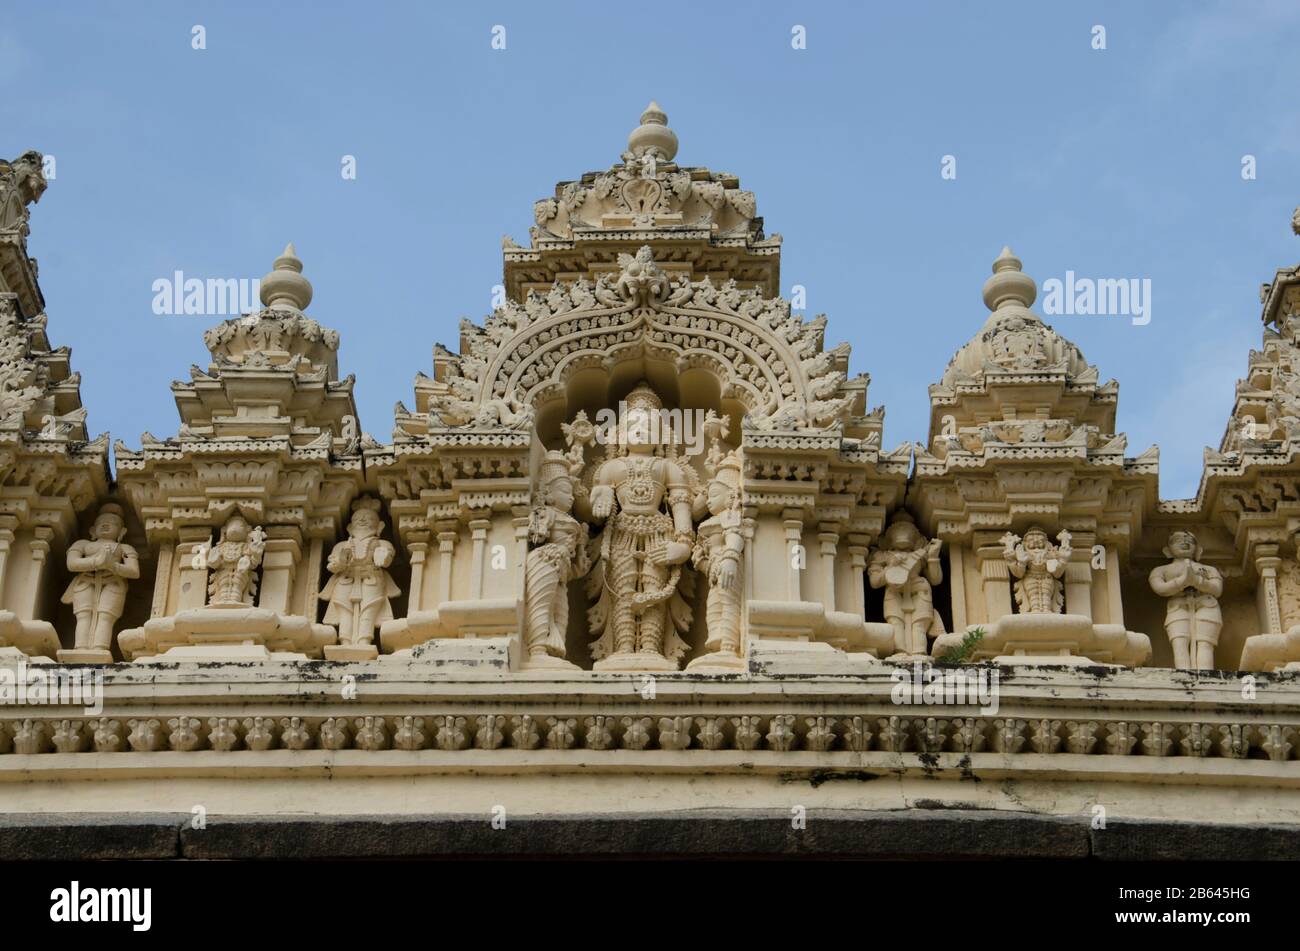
{"x": 1016, "y": 566}
{"x": 214, "y": 556}
{"x": 78, "y": 560}
{"x": 338, "y": 557}
{"x": 679, "y": 499}
{"x": 1168, "y": 580}
{"x": 384, "y": 554}
{"x": 129, "y": 565}
{"x": 876, "y": 569}
{"x": 933, "y": 567}
{"x": 1209, "y": 581}
{"x": 601, "y": 495}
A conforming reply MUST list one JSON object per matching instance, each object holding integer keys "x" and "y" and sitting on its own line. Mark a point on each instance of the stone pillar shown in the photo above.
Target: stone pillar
{"x": 522, "y": 514}
{"x": 279, "y": 568}
{"x": 1078, "y": 576}
{"x": 8, "y": 529}
{"x": 478, "y": 528}
{"x": 795, "y": 555}
{"x": 311, "y": 579}
{"x": 40, "y": 546}
{"x": 162, "y": 581}
{"x": 859, "y": 546}
{"x": 996, "y": 575}
{"x": 447, "y": 535}
{"x": 1267, "y": 562}
{"x": 829, "y": 541}
{"x": 192, "y": 587}
{"x": 957, "y": 586}
{"x": 417, "y": 548}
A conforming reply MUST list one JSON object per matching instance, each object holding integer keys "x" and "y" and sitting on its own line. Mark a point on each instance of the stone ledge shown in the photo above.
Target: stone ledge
{"x": 912, "y": 834}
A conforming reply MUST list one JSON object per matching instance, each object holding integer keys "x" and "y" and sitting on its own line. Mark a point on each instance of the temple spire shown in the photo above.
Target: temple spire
{"x": 285, "y": 286}
{"x": 653, "y": 133}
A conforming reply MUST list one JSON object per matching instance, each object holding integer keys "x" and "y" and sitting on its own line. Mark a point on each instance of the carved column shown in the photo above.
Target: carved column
{"x": 859, "y": 546}
{"x": 40, "y": 545}
{"x": 829, "y": 541}
{"x": 1078, "y": 576}
{"x": 417, "y": 548}
{"x": 311, "y": 593}
{"x": 162, "y": 581}
{"x": 478, "y": 528}
{"x": 1267, "y": 562}
{"x": 996, "y": 575}
{"x": 521, "y": 515}
{"x": 8, "y": 528}
{"x": 192, "y": 589}
{"x": 957, "y": 586}
{"x": 447, "y": 536}
{"x": 279, "y": 566}
{"x": 795, "y": 555}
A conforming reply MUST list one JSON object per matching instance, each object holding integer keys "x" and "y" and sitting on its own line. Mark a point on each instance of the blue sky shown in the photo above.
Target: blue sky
{"x": 1117, "y": 163}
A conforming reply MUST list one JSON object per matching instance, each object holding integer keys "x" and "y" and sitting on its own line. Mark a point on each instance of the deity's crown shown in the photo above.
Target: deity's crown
{"x": 366, "y": 503}
{"x": 643, "y": 397}
{"x": 555, "y": 465}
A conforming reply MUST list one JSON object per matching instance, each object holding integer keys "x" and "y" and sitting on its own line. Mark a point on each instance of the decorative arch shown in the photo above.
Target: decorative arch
{"x": 768, "y": 361}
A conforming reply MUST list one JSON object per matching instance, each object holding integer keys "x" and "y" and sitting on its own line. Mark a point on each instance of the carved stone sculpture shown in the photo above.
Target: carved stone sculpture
{"x": 906, "y": 565}
{"x": 643, "y": 496}
{"x": 359, "y": 590}
{"x": 719, "y": 554}
{"x": 233, "y": 561}
{"x": 557, "y": 552}
{"x": 1192, "y": 615}
{"x": 1038, "y": 567}
{"x": 101, "y": 565}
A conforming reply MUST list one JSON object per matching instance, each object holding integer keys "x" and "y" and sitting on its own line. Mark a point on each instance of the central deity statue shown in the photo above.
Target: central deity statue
{"x": 1038, "y": 566}
{"x": 643, "y": 493}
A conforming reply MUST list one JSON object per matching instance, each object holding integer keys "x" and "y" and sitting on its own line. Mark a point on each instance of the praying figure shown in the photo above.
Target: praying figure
{"x": 1038, "y": 566}
{"x": 101, "y": 566}
{"x": 557, "y": 553}
{"x": 234, "y": 561}
{"x": 719, "y": 553}
{"x": 907, "y": 567}
{"x": 360, "y": 588}
{"x": 1192, "y": 615}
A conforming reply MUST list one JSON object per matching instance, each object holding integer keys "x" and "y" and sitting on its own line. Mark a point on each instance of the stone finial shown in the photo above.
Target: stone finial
{"x": 1295, "y": 221}
{"x": 285, "y": 286}
{"x": 1008, "y": 285}
{"x": 653, "y": 133}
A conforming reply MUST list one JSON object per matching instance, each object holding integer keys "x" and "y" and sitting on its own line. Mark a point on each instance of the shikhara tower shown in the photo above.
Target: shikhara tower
{"x": 527, "y": 611}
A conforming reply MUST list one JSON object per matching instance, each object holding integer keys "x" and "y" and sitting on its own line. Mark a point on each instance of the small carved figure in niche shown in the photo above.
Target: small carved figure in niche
{"x": 558, "y": 551}
{"x": 720, "y": 549}
{"x": 907, "y": 566}
{"x": 359, "y": 590}
{"x": 102, "y": 565}
{"x": 1192, "y": 615}
{"x": 233, "y": 561}
{"x": 1038, "y": 567}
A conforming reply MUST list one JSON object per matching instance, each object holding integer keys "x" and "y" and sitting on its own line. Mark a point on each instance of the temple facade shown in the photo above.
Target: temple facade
{"x": 638, "y": 549}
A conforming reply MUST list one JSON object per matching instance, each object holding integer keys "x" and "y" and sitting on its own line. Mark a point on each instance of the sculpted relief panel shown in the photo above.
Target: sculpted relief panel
{"x": 643, "y": 457}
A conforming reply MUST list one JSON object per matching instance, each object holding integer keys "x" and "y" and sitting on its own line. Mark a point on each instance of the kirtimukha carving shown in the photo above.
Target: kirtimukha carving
{"x": 1038, "y": 567}
{"x": 1193, "y": 618}
{"x": 358, "y": 593}
{"x": 720, "y": 551}
{"x": 643, "y": 496}
{"x": 101, "y": 565}
{"x": 233, "y": 561}
{"x": 907, "y": 566}
{"x": 557, "y": 551}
